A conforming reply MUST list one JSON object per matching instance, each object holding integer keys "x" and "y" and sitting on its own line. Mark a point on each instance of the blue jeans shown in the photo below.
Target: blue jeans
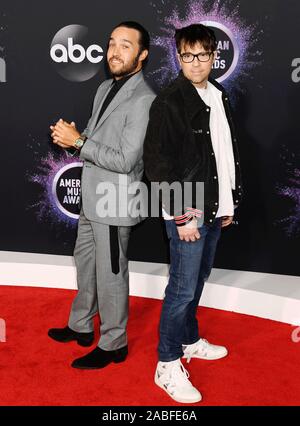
{"x": 190, "y": 266}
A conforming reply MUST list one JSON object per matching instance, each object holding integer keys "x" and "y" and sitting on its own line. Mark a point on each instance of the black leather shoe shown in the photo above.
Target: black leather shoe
{"x": 99, "y": 358}
{"x": 66, "y": 334}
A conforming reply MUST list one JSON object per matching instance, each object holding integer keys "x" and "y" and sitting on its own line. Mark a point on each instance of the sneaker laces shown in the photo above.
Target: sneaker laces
{"x": 198, "y": 346}
{"x": 176, "y": 375}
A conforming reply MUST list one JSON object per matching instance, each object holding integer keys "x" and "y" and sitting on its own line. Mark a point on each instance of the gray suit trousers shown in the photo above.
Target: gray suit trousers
{"x": 99, "y": 289}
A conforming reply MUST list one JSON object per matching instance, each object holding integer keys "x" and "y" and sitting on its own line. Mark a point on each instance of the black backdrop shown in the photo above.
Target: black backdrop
{"x": 265, "y": 92}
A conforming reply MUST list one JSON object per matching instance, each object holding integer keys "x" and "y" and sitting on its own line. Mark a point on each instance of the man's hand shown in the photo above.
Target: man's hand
{"x": 226, "y": 220}
{"x": 189, "y": 232}
{"x": 64, "y": 134}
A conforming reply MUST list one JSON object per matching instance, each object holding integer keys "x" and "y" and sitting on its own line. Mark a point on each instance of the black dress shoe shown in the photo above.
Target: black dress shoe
{"x": 66, "y": 334}
{"x": 99, "y": 358}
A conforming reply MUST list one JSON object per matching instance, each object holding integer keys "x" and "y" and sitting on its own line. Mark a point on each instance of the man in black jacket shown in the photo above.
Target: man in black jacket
{"x": 191, "y": 138}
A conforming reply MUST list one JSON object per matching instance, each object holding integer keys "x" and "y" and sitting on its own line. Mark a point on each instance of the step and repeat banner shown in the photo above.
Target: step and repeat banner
{"x": 52, "y": 59}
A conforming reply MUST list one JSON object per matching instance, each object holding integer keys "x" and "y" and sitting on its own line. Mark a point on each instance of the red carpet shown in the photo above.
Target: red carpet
{"x": 262, "y": 367}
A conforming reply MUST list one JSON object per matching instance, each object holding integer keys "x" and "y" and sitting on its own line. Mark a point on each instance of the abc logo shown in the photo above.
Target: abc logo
{"x": 74, "y": 54}
{"x": 72, "y": 48}
{"x": 227, "y": 51}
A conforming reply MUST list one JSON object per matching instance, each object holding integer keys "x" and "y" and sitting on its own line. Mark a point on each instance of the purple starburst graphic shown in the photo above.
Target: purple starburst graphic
{"x": 46, "y": 206}
{"x": 291, "y": 191}
{"x": 224, "y": 13}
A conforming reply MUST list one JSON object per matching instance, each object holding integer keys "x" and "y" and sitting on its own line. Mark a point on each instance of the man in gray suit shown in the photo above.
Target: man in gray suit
{"x": 112, "y": 149}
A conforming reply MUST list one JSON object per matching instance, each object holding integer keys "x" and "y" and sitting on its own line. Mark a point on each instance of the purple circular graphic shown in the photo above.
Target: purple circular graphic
{"x": 49, "y": 206}
{"x": 238, "y": 41}
{"x": 227, "y": 51}
{"x": 66, "y": 189}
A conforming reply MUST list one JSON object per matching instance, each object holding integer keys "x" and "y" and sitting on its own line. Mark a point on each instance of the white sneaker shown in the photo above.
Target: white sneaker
{"x": 173, "y": 378}
{"x": 204, "y": 350}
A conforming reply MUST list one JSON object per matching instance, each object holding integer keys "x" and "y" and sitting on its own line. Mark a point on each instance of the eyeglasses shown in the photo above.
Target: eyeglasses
{"x": 189, "y": 57}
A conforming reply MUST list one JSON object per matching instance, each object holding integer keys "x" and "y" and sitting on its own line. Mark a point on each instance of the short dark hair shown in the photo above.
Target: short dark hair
{"x": 196, "y": 33}
{"x": 144, "y": 40}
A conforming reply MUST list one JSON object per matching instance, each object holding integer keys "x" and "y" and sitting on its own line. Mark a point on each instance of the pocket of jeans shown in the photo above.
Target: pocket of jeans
{"x": 168, "y": 226}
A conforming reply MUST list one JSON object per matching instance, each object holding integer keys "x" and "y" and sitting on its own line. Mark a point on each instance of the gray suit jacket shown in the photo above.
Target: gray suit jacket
{"x": 113, "y": 152}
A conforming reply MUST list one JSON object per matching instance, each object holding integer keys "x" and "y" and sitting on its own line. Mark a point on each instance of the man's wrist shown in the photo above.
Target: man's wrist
{"x": 79, "y": 142}
{"x": 192, "y": 223}
{"x": 183, "y": 220}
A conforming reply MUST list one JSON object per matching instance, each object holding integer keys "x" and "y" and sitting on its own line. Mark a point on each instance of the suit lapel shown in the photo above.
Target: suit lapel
{"x": 100, "y": 99}
{"x": 124, "y": 93}
{"x": 117, "y": 100}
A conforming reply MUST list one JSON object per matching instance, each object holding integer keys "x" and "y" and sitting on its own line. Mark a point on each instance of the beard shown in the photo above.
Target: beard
{"x": 125, "y": 69}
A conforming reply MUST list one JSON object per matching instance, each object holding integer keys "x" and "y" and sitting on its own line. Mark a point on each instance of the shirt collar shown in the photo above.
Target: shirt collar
{"x": 119, "y": 83}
